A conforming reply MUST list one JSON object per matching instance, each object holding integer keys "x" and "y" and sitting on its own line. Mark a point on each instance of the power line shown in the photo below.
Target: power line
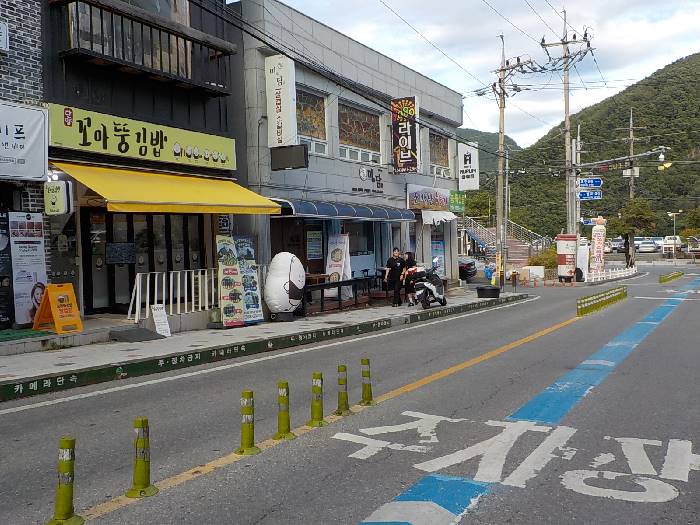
{"x": 511, "y": 23}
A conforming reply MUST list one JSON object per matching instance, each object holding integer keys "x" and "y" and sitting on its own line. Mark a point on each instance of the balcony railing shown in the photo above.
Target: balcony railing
{"x": 106, "y": 34}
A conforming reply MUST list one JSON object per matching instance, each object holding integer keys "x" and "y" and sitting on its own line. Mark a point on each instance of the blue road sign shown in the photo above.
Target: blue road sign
{"x": 587, "y": 222}
{"x": 590, "y": 183}
{"x": 592, "y": 195}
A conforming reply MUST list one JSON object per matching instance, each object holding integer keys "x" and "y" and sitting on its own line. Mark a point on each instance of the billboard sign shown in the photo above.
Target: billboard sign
{"x": 404, "y": 132}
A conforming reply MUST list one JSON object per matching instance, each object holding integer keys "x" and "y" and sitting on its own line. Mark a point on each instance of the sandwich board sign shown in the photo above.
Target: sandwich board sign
{"x": 58, "y": 310}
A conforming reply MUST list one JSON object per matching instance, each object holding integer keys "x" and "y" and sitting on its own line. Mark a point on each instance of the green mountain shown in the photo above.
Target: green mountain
{"x": 667, "y": 105}
{"x": 488, "y": 141}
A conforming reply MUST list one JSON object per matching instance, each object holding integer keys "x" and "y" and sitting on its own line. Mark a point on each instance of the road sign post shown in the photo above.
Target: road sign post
{"x": 590, "y": 195}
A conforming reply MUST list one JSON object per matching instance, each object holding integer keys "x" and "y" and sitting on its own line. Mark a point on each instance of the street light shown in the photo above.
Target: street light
{"x": 674, "y": 214}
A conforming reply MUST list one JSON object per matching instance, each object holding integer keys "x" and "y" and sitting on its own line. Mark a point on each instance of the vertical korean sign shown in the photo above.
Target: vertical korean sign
{"x": 28, "y": 264}
{"x": 404, "y": 131}
{"x": 6, "y": 301}
{"x": 598, "y": 238}
{"x": 24, "y": 142}
{"x": 245, "y": 248}
{"x": 468, "y": 166}
{"x": 230, "y": 283}
{"x": 280, "y": 86}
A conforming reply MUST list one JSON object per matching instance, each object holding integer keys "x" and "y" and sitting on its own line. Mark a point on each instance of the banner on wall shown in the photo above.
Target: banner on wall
{"x": 250, "y": 277}
{"x": 426, "y": 198}
{"x": 338, "y": 264}
{"x": 404, "y": 132}
{"x": 468, "y": 166}
{"x": 24, "y": 141}
{"x": 6, "y": 300}
{"x": 231, "y": 298}
{"x": 438, "y": 250}
{"x": 280, "y": 86}
{"x": 29, "y": 277}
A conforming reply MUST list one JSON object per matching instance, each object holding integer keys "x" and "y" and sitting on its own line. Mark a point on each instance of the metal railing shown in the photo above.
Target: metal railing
{"x": 535, "y": 240}
{"x": 591, "y": 303}
{"x": 479, "y": 233}
{"x": 612, "y": 273}
{"x": 179, "y": 291}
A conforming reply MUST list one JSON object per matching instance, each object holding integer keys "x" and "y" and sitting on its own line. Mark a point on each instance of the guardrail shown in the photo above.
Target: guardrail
{"x": 668, "y": 277}
{"x": 613, "y": 273}
{"x": 180, "y": 291}
{"x": 591, "y": 303}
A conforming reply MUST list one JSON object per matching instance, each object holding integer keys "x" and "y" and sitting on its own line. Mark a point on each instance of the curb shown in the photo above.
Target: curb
{"x": 50, "y": 383}
{"x": 612, "y": 280}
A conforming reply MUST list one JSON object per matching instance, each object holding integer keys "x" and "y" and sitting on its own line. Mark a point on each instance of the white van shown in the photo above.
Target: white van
{"x": 672, "y": 243}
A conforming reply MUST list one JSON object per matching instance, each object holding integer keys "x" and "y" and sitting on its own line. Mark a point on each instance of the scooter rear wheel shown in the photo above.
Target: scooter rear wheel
{"x": 425, "y": 303}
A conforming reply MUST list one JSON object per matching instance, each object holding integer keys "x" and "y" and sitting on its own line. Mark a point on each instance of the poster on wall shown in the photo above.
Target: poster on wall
{"x": 24, "y": 142}
{"x": 230, "y": 283}
{"x": 404, "y": 133}
{"x": 468, "y": 166}
{"x": 314, "y": 245}
{"x": 338, "y": 264}
{"x": 28, "y": 264}
{"x": 438, "y": 250}
{"x": 250, "y": 277}
{"x": 6, "y": 300}
{"x": 280, "y": 86}
{"x": 425, "y": 198}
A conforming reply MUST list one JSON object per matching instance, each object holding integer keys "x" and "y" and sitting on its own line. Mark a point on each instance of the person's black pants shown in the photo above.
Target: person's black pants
{"x": 397, "y": 293}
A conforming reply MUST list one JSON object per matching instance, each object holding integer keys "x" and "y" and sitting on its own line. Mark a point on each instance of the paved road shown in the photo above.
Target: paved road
{"x": 515, "y": 415}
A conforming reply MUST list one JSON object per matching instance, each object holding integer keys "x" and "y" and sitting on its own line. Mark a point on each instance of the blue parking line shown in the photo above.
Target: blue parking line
{"x": 435, "y": 499}
{"x": 552, "y": 404}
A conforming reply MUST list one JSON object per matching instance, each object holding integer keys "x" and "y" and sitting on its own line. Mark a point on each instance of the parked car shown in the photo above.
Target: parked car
{"x": 467, "y": 268}
{"x": 647, "y": 247}
{"x": 693, "y": 245}
{"x": 618, "y": 244}
{"x": 659, "y": 242}
{"x": 672, "y": 243}
{"x": 583, "y": 241}
{"x": 608, "y": 247}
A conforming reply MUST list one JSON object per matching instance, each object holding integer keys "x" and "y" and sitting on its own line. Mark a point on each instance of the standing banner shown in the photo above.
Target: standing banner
{"x": 280, "y": 86}
{"x": 567, "y": 245}
{"x": 245, "y": 247}
{"x": 598, "y": 239}
{"x": 468, "y": 165}
{"x": 24, "y": 142}
{"x": 6, "y": 301}
{"x": 437, "y": 248}
{"x": 28, "y": 264}
{"x": 58, "y": 310}
{"x": 404, "y": 132}
{"x": 230, "y": 283}
{"x": 338, "y": 264}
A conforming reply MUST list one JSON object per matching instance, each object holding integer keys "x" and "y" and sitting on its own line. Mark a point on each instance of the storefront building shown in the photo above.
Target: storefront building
{"x": 350, "y": 185}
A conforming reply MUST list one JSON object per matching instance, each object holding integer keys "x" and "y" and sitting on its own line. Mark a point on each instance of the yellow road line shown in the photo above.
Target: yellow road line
{"x": 193, "y": 473}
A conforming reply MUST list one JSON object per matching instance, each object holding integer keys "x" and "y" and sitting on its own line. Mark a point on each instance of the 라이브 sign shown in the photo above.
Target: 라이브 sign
{"x": 84, "y": 130}
{"x": 404, "y": 112}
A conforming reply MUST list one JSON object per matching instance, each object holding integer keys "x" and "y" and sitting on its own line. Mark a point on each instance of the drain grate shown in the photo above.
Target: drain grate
{"x": 63, "y": 364}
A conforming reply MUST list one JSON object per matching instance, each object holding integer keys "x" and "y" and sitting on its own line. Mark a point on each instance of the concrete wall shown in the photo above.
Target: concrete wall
{"x": 329, "y": 177}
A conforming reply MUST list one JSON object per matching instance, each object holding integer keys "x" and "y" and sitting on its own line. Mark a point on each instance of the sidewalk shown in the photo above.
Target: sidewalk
{"x": 35, "y": 373}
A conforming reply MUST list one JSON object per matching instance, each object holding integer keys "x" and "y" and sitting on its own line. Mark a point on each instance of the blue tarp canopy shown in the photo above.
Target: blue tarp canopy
{"x": 344, "y": 210}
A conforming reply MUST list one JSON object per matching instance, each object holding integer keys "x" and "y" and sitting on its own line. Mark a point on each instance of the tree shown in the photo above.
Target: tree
{"x": 637, "y": 217}
{"x": 692, "y": 219}
{"x": 478, "y": 204}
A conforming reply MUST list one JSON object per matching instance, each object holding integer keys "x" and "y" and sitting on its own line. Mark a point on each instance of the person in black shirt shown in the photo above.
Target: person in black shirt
{"x": 407, "y": 278}
{"x": 392, "y": 275}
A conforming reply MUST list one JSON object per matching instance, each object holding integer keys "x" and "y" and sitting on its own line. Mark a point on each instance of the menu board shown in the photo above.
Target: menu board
{"x": 230, "y": 283}
{"x": 252, "y": 312}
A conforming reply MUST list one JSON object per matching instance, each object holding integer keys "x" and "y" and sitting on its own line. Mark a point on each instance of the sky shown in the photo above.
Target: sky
{"x": 631, "y": 40}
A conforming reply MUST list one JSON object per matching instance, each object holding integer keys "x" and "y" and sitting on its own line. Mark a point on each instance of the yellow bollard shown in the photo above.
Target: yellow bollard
{"x": 64, "y": 513}
{"x": 247, "y": 447}
{"x": 317, "y": 401}
{"x": 141, "y": 486}
{"x": 283, "y": 424}
{"x": 367, "y": 399}
{"x": 343, "y": 404}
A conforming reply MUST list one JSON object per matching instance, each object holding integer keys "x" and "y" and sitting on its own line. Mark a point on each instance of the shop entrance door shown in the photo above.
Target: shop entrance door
{"x": 117, "y": 246}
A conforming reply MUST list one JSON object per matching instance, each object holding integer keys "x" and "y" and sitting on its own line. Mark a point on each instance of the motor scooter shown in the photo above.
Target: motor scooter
{"x": 429, "y": 286}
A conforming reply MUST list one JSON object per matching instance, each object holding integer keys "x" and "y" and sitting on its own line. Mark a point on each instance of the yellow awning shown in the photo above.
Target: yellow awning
{"x": 133, "y": 191}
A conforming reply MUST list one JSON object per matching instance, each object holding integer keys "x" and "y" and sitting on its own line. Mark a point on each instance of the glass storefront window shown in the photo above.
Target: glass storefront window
{"x": 194, "y": 242}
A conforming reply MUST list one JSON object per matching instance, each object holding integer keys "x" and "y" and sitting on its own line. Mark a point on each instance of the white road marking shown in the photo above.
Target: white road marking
{"x": 680, "y": 460}
{"x": 425, "y": 425}
{"x": 493, "y": 451}
{"x": 602, "y": 459}
{"x": 633, "y": 449}
{"x": 666, "y": 298}
{"x": 541, "y": 456}
{"x": 655, "y": 491}
{"x": 601, "y": 362}
{"x": 419, "y": 512}
{"x": 237, "y": 364}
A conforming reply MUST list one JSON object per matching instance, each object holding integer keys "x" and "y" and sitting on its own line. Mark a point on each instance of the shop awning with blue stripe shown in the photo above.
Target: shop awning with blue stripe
{"x": 344, "y": 210}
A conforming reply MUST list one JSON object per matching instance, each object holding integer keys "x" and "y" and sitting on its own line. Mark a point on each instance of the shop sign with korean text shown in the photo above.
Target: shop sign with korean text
{"x": 83, "y": 130}
{"x": 425, "y": 198}
{"x": 57, "y": 197}
{"x": 468, "y": 166}
{"x": 457, "y": 201}
{"x": 280, "y": 86}
{"x": 404, "y": 131}
{"x": 24, "y": 142}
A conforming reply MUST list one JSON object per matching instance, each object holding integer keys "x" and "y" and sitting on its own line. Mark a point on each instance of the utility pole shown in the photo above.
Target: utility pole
{"x": 505, "y": 71}
{"x": 577, "y": 160}
{"x": 568, "y": 59}
{"x": 631, "y": 129}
